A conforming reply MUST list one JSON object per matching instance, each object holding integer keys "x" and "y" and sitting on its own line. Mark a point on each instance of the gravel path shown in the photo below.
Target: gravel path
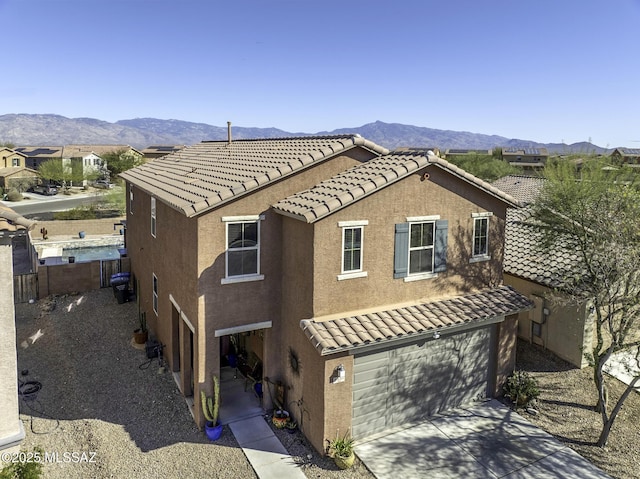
{"x": 101, "y": 395}
{"x": 566, "y": 410}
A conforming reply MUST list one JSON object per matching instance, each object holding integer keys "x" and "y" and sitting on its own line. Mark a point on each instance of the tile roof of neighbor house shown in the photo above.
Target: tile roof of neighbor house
{"x": 356, "y": 331}
{"x": 77, "y": 151}
{"x": 12, "y": 170}
{"x": 355, "y": 183}
{"x": 208, "y": 174}
{"x": 10, "y": 221}
{"x": 525, "y": 258}
{"x": 524, "y": 188}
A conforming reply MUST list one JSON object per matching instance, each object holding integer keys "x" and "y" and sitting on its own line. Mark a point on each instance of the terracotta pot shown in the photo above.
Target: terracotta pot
{"x": 140, "y": 337}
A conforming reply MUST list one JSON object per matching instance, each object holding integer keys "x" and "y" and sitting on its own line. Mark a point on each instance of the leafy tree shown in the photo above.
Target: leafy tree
{"x": 593, "y": 214}
{"x": 65, "y": 172}
{"x": 487, "y": 167}
{"x": 121, "y": 160}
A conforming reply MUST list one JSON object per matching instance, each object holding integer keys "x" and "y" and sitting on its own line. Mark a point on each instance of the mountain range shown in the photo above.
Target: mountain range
{"x": 56, "y": 130}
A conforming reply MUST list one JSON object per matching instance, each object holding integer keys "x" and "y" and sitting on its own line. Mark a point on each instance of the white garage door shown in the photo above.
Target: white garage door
{"x": 408, "y": 383}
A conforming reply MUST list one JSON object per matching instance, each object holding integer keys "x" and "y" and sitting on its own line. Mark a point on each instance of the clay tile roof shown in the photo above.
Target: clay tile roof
{"x": 205, "y": 175}
{"x": 351, "y": 185}
{"x": 524, "y": 188}
{"x": 524, "y": 257}
{"x": 330, "y": 336}
{"x": 11, "y": 221}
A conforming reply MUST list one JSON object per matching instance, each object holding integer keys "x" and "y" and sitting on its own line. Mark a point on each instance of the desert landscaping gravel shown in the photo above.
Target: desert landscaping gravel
{"x": 101, "y": 395}
{"x": 566, "y": 410}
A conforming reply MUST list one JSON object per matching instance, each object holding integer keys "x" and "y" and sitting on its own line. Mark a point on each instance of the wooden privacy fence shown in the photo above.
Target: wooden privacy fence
{"x": 66, "y": 278}
{"x": 25, "y": 287}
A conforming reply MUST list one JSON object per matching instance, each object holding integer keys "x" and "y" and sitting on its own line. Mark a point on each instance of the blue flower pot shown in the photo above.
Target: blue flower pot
{"x": 213, "y": 432}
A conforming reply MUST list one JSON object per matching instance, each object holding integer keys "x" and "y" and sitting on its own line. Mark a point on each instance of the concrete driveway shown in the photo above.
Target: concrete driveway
{"x": 484, "y": 441}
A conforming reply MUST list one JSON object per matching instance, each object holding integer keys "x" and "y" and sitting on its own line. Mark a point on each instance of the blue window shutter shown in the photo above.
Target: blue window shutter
{"x": 401, "y": 255}
{"x": 440, "y": 247}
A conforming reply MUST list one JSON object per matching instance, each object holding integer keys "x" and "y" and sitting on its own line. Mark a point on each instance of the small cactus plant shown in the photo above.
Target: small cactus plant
{"x": 210, "y": 406}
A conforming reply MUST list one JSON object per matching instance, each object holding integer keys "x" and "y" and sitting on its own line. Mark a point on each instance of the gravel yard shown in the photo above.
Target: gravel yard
{"x": 566, "y": 410}
{"x": 100, "y": 394}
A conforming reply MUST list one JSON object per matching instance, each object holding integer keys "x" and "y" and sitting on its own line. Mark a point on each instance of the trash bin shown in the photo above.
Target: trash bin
{"x": 122, "y": 293}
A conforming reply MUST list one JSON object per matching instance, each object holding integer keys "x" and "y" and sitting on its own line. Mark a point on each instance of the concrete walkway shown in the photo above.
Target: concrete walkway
{"x": 267, "y": 455}
{"x": 479, "y": 442}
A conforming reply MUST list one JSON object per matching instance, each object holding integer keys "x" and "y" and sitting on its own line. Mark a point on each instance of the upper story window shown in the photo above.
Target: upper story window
{"x": 16, "y": 162}
{"x": 352, "y": 252}
{"x": 420, "y": 248}
{"x": 130, "y": 198}
{"x": 155, "y": 294}
{"x": 242, "y": 249}
{"x": 153, "y": 217}
{"x": 481, "y": 236}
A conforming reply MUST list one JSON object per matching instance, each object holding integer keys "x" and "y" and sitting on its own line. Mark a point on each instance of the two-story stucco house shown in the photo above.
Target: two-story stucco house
{"x": 368, "y": 282}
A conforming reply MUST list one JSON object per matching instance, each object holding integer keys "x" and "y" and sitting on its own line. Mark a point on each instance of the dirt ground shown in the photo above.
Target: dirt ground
{"x": 566, "y": 410}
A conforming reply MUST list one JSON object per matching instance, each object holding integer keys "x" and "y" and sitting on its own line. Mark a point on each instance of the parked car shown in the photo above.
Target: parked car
{"x": 48, "y": 190}
{"x": 102, "y": 184}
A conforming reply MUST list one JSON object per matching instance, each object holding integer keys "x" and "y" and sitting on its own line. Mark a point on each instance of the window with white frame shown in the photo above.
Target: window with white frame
{"x": 131, "y": 198}
{"x": 243, "y": 248}
{"x": 155, "y": 294}
{"x": 420, "y": 250}
{"x": 16, "y": 162}
{"x": 480, "y": 236}
{"x": 153, "y": 217}
{"x": 421, "y": 236}
{"x": 352, "y": 249}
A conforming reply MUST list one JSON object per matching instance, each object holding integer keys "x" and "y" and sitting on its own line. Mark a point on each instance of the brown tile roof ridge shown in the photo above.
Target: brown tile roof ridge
{"x": 207, "y": 174}
{"x": 365, "y": 328}
{"x": 12, "y": 221}
{"x": 355, "y": 183}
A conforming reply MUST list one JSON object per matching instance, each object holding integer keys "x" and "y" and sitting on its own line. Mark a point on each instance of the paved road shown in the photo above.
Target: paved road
{"x": 35, "y": 203}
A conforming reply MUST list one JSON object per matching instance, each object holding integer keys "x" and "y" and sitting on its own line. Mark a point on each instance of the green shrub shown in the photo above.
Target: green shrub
{"x": 24, "y": 470}
{"x": 81, "y": 213}
{"x": 14, "y": 195}
{"x": 521, "y": 388}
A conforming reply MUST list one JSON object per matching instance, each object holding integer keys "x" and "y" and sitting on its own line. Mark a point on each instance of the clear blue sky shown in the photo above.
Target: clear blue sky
{"x": 541, "y": 70}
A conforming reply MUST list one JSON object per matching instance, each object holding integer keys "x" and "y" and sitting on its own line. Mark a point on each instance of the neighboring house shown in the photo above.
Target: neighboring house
{"x": 369, "y": 283}
{"x": 451, "y": 153}
{"x": 89, "y": 157}
{"x": 562, "y": 327}
{"x": 11, "y": 429}
{"x": 630, "y": 156}
{"x": 18, "y": 177}
{"x": 36, "y": 155}
{"x": 11, "y": 159}
{"x": 527, "y": 158}
{"x": 158, "y": 151}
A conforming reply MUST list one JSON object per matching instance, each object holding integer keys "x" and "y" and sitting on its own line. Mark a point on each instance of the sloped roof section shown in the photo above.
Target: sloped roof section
{"x": 415, "y": 321}
{"x": 203, "y": 176}
{"x": 10, "y": 221}
{"x": 524, "y": 188}
{"x": 524, "y": 257}
{"x": 362, "y": 180}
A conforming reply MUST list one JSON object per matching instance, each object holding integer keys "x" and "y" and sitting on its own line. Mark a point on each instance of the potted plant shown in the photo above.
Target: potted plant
{"x": 210, "y": 406}
{"x": 291, "y": 426}
{"x": 141, "y": 334}
{"x": 341, "y": 450}
{"x": 280, "y": 418}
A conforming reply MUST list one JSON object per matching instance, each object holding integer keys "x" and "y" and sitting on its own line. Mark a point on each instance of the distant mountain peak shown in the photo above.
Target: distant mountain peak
{"x": 45, "y": 129}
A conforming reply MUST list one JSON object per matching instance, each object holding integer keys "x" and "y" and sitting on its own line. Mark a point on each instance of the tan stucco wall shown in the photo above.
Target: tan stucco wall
{"x": 407, "y": 198}
{"x": 567, "y": 330}
{"x": 188, "y": 257}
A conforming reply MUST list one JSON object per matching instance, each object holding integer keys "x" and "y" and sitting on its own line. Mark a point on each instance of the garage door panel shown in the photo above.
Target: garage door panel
{"x": 419, "y": 380}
